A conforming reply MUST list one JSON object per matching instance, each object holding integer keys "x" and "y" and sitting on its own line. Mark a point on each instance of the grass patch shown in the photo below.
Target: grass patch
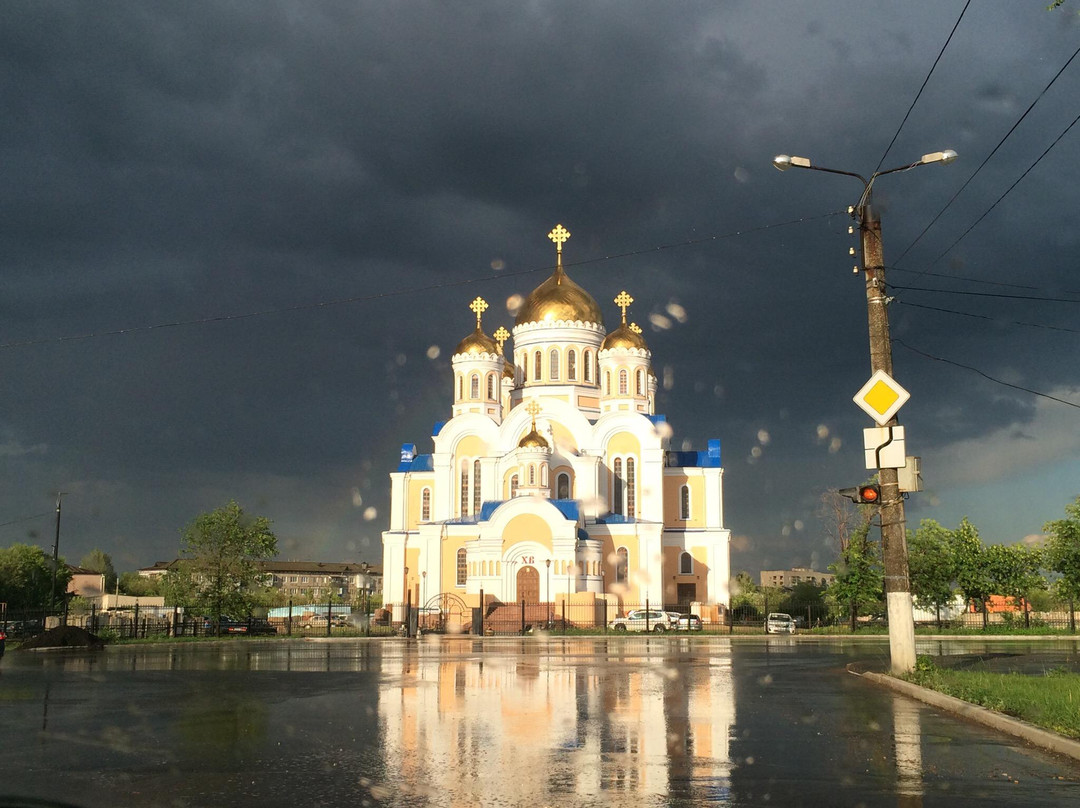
{"x": 1050, "y": 700}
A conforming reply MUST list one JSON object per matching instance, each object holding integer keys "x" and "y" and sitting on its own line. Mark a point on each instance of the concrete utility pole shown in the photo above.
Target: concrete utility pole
{"x": 56, "y": 549}
{"x": 891, "y": 508}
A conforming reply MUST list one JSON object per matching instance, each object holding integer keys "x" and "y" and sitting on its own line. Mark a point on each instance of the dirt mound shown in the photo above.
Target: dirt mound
{"x": 64, "y": 637}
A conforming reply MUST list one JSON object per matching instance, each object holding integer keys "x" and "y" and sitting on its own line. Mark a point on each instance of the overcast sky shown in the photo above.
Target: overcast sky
{"x": 187, "y": 163}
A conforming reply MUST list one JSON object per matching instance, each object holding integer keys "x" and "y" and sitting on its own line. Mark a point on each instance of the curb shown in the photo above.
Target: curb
{"x": 1036, "y": 736}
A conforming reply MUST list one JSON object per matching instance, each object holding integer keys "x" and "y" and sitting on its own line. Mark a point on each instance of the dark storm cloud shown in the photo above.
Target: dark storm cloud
{"x": 171, "y": 163}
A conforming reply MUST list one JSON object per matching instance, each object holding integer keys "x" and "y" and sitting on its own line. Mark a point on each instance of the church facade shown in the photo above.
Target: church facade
{"x": 553, "y": 480}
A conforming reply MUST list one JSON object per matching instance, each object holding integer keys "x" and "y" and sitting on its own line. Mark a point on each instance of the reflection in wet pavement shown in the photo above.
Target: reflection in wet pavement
{"x": 538, "y": 721}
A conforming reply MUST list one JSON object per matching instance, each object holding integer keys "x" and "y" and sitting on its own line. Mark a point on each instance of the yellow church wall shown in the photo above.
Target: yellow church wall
{"x": 416, "y": 487}
{"x": 624, "y": 443}
{"x": 471, "y": 446}
{"x": 526, "y": 527}
{"x": 412, "y": 581}
{"x": 450, "y": 549}
{"x": 631, "y": 594}
{"x": 564, "y": 438}
{"x": 672, "y": 578}
{"x": 672, "y": 485}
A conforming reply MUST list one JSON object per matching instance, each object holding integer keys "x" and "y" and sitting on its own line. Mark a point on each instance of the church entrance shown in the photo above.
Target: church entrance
{"x": 528, "y": 585}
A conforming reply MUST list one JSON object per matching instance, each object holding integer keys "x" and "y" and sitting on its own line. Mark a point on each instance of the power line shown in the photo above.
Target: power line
{"x": 988, "y": 317}
{"x": 403, "y": 292}
{"x": 983, "y": 294}
{"x": 24, "y": 519}
{"x": 985, "y": 161}
{"x": 986, "y": 375}
{"x": 923, "y": 87}
{"x": 962, "y": 278}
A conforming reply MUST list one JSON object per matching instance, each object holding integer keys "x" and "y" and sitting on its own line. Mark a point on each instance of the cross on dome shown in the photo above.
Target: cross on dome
{"x": 635, "y": 328}
{"x": 479, "y": 306}
{"x": 501, "y": 336}
{"x": 559, "y": 235}
{"x": 623, "y": 300}
{"x": 533, "y": 409}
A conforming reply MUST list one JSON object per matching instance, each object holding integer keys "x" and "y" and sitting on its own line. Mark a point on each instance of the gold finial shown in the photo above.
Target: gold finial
{"x": 501, "y": 336}
{"x": 479, "y": 306}
{"x": 533, "y": 409}
{"x": 622, "y": 300}
{"x": 559, "y": 234}
{"x": 635, "y": 328}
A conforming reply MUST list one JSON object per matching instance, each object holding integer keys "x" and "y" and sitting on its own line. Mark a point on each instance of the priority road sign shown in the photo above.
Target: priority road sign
{"x": 881, "y": 397}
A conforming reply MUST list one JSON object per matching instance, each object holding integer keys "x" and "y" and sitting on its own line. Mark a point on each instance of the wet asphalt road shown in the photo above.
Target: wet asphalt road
{"x": 462, "y": 722}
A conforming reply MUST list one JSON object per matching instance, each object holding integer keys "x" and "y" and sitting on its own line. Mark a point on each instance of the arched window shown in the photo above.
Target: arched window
{"x": 686, "y": 564}
{"x": 630, "y": 486}
{"x": 513, "y": 486}
{"x": 491, "y": 387}
{"x": 462, "y": 567}
{"x": 524, "y": 363}
{"x": 586, "y": 360}
{"x": 607, "y": 382}
{"x": 622, "y": 565}
{"x": 460, "y": 387}
{"x": 571, "y": 365}
{"x": 425, "y": 505}
{"x": 464, "y": 487}
{"x": 532, "y": 474}
{"x": 622, "y": 383}
{"x": 474, "y": 387}
{"x": 684, "y": 503}
{"x": 538, "y": 366}
{"x": 476, "y": 486}
{"x": 544, "y": 475}
{"x": 562, "y": 486}
{"x": 617, "y": 487}
{"x": 639, "y": 386}
{"x": 553, "y": 365}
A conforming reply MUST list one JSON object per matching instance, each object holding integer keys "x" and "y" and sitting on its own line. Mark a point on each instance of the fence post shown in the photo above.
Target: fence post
{"x": 564, "y": 618}
{"x": 523, "y": 617}
{"x": 1072, "y": 616}
{"x": 482, "y": 604}
{"x": 135, "y": 622}
{"x": 93, "y": 618}
{"x": 329, "y": 614}
{"x": 288, "y": 620}
{"x": 646, "y": 614}
{"x": 175, "y": 619}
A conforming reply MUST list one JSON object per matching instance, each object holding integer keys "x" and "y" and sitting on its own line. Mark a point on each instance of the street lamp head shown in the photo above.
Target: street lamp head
{"x": 782, "y": 162}
{"x": 943, "y": 157}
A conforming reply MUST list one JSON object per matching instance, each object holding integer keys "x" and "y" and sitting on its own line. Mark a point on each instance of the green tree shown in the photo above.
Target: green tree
{"x": 1063, "y": 551}
{"x": 222, "y": 551}
{"x": 1014, "y": 570}
{"x": 140, "y": 586}
{"x": 26, "y": 577}
{"x": 930, "y": 566}
{"x": 969, "y": 564}
{"x": 859, "y": 579}
{"x": 100, "y": 561}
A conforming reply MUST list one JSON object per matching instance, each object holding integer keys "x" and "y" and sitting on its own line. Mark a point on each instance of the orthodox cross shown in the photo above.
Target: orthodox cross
{"x": 635, "y": 328}
{"x": 533, "y": 409}
{"x": 501, "y": 336}
{"x": 479, "y": 306}
{"x": 623, "y": 300}
{"x": 559, "y": 234}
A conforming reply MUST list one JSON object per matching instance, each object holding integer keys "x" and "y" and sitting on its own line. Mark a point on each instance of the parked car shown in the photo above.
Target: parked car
{"x": 779, "y": 623}
{"x": 689, "y": 622}
{"x": 319, "y": 621}
{"x": 642, "y": 620}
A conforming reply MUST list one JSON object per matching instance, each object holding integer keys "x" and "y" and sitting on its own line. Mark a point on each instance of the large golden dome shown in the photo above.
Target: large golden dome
{"x": 624, "y": 337}
{"x": 534, "y": 440}
{"x": 559, "y": 298}
{"x": 477, "y": 343}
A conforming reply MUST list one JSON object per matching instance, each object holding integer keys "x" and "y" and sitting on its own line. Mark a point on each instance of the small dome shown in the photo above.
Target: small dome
{"x": 559, "y": 298}
{"x": 508, "y": 369}
{"x": 624, "y": 337}
{"x": 534, "y": 440}
{"x": 477, "y": 343}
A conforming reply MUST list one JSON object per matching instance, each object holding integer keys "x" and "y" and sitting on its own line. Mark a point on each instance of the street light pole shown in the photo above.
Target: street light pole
{"x": 891, "y": 509}
{"x": 56, "y": 548}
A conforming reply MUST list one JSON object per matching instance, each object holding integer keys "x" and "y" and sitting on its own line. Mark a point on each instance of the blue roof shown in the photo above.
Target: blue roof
{"x": 567, "y": 507}
{"x": 657, "y": 419}
{"x": 435, "y": 430}
{"x": 615, "y": 519}
{"x": 709, "y": 459}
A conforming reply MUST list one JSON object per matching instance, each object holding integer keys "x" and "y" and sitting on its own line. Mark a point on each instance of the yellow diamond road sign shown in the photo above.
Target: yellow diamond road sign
{"x": 881, "y": 397}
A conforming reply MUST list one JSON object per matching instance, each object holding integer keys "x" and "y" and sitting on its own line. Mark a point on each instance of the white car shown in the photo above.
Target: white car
{"x": 642, "y": 620}
{"x": 779, "y": 623}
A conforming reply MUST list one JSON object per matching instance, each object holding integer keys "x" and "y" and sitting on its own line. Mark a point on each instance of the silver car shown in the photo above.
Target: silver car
{"x": 642, "y": 620}
{"x": 779, "y": 623}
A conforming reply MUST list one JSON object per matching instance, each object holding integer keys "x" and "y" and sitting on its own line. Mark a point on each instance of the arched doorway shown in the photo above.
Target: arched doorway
{"x": 528, "y": 585}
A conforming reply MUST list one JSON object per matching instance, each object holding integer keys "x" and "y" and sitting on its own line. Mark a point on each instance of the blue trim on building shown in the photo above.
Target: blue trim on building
{"x": 615, "y": 519}
{"x": 709, "y": 459}
{"x": 435, "y": 430}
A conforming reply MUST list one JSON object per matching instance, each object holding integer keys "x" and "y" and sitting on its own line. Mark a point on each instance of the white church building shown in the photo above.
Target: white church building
{"x": 553, "y": 480}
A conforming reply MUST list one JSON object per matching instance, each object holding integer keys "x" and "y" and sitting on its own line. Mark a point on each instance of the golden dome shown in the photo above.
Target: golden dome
{"x": 534, "y": 440}
{"x": 477, "y": 343}
{"x": 508, "y": 369}
{"x": 624, "y": 337}
{"x": 559, "y": 298}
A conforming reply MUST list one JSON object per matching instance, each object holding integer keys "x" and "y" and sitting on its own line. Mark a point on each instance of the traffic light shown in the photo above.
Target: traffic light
{"x": 863, "y": 495}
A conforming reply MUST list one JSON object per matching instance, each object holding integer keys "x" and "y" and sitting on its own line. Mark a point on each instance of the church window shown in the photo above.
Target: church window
{"x": 476, "y": 486}
{"x": 562, "y": 486}
{"x": 538, "y": 366}
{"x": 553, "y": 365}
{"x": 474, "y": 387}
{"x": 571, "y": 365}
{"x": 639, "y": 388}
{"x": 630, "y": 485}
{"x": 464, "y": 487}
{"x": 524, "y": 367}
{"x": 544, "y": 475}
{"x": 622, "y": 383}
{"x": 460, "y": 387}
{"x": 684, "y": 503}
{"x": 586, "y": 360}
{"x": 425, "y": 505}
{"x": 513, "y": 486}
{"x": 532, "y": 474}
{"x": 491, "y": 387}
{"x": 617, "y": 487}
{"x": 622, "y": 565}
{"x": 607, "y": 383}
{"x": 686, "y": 564}
{"x": 462, "y": 567}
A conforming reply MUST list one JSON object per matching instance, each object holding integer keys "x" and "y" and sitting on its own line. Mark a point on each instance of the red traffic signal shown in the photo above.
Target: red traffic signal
{"x": 863, "y": 495}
